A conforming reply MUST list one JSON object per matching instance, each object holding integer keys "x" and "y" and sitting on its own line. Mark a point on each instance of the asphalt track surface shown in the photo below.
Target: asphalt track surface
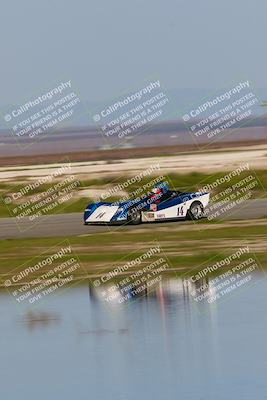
{"x": 66, "y": 225}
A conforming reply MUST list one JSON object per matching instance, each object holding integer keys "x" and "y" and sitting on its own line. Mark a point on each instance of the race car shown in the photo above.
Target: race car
{"x": 162, "y": 204}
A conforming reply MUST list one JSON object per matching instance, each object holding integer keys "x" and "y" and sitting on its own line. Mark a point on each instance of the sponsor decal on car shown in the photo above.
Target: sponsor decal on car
{"x": 153, "y": 207}
{"x": 150, "y": 215}
{"x": 161, "y": 215}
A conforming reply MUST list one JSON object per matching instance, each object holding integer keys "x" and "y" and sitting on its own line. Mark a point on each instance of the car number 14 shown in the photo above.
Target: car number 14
{"x": 180, "y": 211}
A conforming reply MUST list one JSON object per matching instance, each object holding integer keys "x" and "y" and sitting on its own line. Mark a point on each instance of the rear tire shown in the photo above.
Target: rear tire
{"x": 134, "y": 217}
{"x": 196, "y": 211}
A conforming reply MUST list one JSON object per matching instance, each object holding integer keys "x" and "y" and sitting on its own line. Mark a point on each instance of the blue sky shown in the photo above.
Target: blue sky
{"x": 111, "y": 47}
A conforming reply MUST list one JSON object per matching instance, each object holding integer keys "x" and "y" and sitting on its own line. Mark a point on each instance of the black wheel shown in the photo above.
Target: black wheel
{"x": 134, "y": 217}
{"x": 196, "y": 211}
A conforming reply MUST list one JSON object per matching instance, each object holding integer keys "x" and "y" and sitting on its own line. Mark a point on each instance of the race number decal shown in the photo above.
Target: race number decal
{"x": 101, "y": 215}
{"x": 180, "y": 211}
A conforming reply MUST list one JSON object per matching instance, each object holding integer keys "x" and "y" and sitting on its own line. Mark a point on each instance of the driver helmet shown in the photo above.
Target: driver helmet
{"x": 157, "y": 190}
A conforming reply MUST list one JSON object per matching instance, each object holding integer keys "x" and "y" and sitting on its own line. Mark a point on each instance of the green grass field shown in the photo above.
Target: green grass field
{"x": 185, "y": 248}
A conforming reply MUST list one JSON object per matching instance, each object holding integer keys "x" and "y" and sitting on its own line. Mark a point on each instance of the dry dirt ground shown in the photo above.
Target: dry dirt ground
{"x": 206, "y": 162}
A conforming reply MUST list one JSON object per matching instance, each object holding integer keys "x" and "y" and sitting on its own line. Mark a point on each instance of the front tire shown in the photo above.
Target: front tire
{"x": 134, "y": 217}
{"x": 196, "y": 211}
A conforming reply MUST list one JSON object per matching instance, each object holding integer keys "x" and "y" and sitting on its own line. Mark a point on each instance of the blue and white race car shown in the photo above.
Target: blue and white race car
{"x": 162, "y": 204}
